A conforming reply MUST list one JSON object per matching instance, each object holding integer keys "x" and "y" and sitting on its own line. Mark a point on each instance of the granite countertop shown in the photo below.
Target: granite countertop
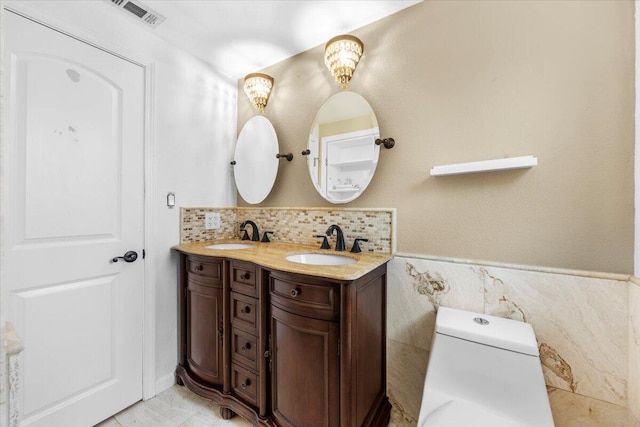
{"x": 272, "y": 255}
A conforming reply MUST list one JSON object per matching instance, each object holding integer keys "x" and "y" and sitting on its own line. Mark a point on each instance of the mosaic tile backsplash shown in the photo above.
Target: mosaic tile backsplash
{"x": 296, "y": 225}
{"x": 192, "y": 224}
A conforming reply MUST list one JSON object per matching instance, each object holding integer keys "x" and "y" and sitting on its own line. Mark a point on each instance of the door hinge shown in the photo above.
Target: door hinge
{"x": 144, "y": 254}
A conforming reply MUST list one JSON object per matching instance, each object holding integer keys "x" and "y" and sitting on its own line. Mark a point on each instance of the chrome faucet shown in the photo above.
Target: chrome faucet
{"x": 255, "y": 234}
{"x": 339, "y": 238}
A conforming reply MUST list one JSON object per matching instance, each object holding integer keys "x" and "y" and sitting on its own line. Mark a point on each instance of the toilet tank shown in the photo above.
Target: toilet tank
{"x": 489, "y": 361}
{"x": 494, "y": 331}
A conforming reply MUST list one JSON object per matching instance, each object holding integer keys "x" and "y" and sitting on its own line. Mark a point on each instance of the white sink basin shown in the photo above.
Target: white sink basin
{"x": 320, "y": 259}
{"x": 226, "y": 246}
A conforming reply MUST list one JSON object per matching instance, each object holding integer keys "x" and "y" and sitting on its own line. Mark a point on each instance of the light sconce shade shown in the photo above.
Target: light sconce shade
{"x": 258, "y": 88}
{"x": 341, "y": 56}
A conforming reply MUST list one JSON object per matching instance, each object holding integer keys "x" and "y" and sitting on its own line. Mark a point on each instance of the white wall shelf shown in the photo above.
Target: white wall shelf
{"x": 485, "y": 166}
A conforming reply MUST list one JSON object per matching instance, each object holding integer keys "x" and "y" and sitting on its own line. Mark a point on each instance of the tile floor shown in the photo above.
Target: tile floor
{"x": 174, "y": 407}
{"x": 178, "y": 407}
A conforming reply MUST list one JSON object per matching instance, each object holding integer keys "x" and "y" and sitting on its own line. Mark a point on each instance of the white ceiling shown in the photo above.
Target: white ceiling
{"x": 242, "y": 36}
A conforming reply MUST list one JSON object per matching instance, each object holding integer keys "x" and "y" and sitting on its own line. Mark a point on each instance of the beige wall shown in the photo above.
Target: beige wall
{"x": 465, "y": 81}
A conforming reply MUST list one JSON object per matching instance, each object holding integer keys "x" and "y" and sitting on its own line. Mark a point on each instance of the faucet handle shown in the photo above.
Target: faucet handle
{"x": 245, "y": 236}
{"x": 356, "y": 247}
{"x": 265, "y": 237}
{"x": 325, "y": 242}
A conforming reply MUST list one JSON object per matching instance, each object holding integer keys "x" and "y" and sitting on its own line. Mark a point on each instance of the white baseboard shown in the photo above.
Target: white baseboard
{"x": 165, "y": 382}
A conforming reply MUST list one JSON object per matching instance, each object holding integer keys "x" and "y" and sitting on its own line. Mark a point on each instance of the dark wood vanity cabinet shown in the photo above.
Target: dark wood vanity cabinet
{"x": 305, "y": 334}
{"x": 283, "y": 349}
{"x": 305, "y": 368}
{"x": 204, "y": 320}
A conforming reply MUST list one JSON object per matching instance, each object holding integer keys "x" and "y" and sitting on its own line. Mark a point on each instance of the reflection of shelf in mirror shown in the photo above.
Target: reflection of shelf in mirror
{"x": 363, "y": 162}
{"x": 485, "y": 166}
{"x": 344, "y": 190}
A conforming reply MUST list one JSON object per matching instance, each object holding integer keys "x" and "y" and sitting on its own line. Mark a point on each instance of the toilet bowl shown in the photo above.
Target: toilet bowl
{"x": 483, "y": 371}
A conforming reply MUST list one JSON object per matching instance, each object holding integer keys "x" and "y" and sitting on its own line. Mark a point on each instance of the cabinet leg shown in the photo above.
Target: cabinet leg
{"x": 179, "y": 381}
{"x": 226, "y": 413}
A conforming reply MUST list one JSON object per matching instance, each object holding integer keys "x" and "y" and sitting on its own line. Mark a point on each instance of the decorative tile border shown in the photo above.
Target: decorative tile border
{"x": 297, "y": 225}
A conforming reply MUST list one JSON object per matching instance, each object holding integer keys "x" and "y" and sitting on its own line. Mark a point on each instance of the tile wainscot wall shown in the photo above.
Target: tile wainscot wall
{"x": 587, "y": 324}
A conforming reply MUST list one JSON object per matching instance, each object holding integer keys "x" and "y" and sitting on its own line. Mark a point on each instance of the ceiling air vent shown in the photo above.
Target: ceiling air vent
{"x": 136, "y": 10}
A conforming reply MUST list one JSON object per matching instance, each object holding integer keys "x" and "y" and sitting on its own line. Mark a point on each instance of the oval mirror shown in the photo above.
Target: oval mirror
{"x": 256, "y": 164}
{"x": 342, "y": 152}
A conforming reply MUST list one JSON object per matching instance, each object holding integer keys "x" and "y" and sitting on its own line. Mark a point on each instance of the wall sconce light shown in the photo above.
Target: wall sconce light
{"x": 341, "y": 56}
{"x": 258, "y": 88}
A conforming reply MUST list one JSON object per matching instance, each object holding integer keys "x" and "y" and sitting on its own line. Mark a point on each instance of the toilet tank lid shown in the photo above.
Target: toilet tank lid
{"x": 490, "y": 330}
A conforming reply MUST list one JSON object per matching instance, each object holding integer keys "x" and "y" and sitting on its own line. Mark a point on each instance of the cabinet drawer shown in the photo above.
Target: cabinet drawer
{"x": 314, "y": 298}
{"x": 243, "y": 278}
{"x": 244, "y": 313}
{"x": 244, "y": 384}
{"x": 244, "y": 349}
{"x": 205, "y": 267}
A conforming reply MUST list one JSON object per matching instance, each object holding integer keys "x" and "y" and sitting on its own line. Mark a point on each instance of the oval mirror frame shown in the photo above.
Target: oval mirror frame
{"x": 256, "y": 165}
{"x": 343, "y": 155}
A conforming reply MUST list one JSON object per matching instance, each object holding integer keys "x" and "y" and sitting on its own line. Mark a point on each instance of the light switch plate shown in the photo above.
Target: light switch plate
{"x": 212, "y": 221}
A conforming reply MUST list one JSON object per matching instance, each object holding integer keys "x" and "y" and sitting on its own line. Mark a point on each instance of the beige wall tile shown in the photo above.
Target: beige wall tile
{"x": 406, "y": 369}
{"x": 580, "y": 323}
{"x": 417, "y": 287}
{"x": 574, "y": 410}
{"x": 634, "y": 349}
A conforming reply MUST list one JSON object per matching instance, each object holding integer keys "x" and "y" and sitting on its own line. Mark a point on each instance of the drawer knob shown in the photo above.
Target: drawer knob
{"x": 246, "y": 309}
{"x": 245, "y": 383}
{"x": 199, "y": 267}
{"x": 294, "y": 292}
{"x": 246, "y": 347}
{"x": 246, "y": 276}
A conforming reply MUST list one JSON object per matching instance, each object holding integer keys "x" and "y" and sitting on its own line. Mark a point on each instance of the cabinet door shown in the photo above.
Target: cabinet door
{"x": 305, "y": 374}
{"x": 204, "y": 332}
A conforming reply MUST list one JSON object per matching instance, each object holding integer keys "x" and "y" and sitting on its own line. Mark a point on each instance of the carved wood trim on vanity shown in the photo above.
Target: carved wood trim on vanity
{"x": 324, "y": 330}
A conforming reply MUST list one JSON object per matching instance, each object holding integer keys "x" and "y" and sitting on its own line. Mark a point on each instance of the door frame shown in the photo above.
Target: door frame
{"x": 149, "y": 307}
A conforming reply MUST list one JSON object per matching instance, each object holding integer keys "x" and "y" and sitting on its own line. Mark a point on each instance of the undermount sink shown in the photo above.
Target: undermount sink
{"x": 320, "y": 259}
{"x": 226, "y": 246}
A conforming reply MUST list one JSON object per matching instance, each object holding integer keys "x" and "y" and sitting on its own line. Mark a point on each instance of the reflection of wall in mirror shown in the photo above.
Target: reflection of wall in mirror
{"x": 345, "y": 126}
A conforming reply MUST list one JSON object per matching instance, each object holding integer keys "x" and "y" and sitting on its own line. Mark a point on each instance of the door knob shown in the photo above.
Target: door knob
{"x": 130, "y": 256}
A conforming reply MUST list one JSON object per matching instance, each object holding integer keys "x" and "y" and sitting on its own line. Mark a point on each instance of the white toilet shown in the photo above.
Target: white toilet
{"x": 483, "y": 371}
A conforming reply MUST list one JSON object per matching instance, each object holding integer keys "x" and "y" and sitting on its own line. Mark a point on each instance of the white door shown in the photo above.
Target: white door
{"x": 72, "y": 200}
